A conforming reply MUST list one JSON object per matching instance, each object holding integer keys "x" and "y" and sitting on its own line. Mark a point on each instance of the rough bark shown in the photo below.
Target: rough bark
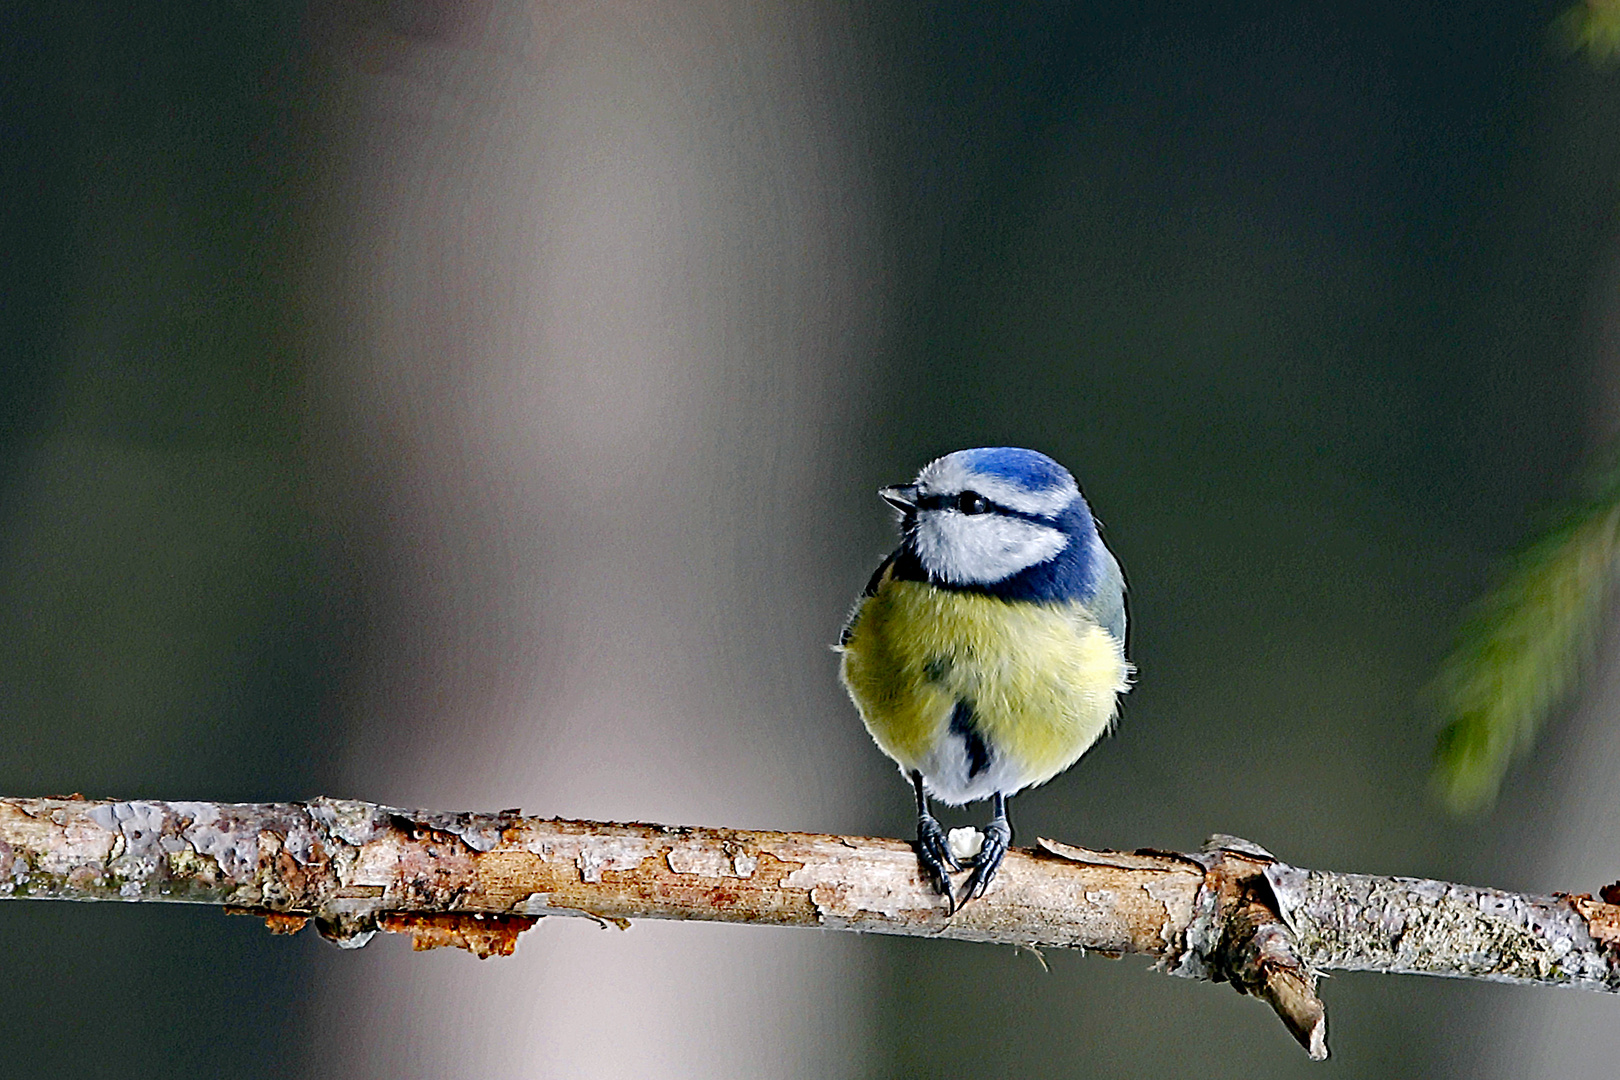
{"x": 1230, "y": 913}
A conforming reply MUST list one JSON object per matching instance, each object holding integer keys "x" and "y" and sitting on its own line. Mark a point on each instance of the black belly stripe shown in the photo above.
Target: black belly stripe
{"x": 978, "y": 754}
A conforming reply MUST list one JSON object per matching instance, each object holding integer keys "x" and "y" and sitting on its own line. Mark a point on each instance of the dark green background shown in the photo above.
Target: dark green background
{"x": 1304, "y": 299}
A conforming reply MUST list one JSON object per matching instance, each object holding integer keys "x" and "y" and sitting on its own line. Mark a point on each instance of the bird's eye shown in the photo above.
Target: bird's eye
{"x": 971, "y": 502}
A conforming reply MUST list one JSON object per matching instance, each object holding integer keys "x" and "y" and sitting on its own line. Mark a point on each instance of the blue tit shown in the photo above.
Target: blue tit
{"x": 987, "y": 653}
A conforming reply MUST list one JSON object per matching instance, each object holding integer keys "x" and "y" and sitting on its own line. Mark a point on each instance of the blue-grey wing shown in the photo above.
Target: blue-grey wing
{"x": 1107, "y": 604}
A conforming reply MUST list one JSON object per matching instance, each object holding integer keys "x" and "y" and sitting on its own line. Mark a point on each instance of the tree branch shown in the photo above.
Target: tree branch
{"x": 1230, "y": 913}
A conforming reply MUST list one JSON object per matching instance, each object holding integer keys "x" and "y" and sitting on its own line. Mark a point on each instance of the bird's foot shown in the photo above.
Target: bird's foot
{"x": 997, "y": 839}
{"x": 934, "y": 853}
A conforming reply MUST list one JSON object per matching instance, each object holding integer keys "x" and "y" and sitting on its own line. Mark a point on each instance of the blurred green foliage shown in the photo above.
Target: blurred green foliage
{"x": 1591, "y": 27}
{"x": 1520, "y": 654}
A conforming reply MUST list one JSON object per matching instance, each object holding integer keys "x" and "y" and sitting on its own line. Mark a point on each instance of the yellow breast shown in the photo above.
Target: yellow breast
{"x": 1042, "y": 679}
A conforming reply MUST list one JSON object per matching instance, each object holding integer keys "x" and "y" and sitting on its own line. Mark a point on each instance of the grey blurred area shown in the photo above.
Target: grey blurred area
{"x": 477, "y": 405}
{"x": 604, "y": 318}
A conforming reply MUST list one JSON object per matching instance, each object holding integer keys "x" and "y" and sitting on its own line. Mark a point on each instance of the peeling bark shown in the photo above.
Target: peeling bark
{"x": 1230, "y": 913}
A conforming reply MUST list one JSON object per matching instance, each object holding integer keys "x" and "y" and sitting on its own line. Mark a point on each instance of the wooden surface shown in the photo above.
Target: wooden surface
{"x": 1230, "y": 913}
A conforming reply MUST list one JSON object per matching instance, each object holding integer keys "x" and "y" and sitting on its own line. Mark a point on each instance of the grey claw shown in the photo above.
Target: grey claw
{"x": 934, "y": 853}
{"x": 997, "y": 839}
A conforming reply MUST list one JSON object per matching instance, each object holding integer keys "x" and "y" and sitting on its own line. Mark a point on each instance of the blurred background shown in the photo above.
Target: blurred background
{"x": 480, "y": 404}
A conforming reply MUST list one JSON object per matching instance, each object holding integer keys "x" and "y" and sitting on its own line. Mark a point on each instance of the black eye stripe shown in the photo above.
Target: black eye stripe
{"x": 952, "y": 502}
{"x": 937, "y": 502}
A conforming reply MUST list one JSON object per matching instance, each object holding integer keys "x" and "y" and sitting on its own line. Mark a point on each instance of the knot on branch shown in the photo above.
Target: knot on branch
{"x": 1240, "y": 936}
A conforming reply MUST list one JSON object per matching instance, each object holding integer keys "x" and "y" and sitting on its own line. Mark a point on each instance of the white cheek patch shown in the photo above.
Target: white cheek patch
{"x": 981, "y": 549}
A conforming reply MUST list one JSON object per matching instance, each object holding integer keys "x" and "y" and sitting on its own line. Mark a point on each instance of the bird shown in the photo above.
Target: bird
{"x": 987, "y": 652}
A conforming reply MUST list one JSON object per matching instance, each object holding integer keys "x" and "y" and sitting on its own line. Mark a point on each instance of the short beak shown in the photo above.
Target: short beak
{"x": 903, "y": 497}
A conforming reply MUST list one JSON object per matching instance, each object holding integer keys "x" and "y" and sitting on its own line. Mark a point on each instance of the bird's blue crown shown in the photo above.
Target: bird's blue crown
{"x": 1030, "y": 470}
